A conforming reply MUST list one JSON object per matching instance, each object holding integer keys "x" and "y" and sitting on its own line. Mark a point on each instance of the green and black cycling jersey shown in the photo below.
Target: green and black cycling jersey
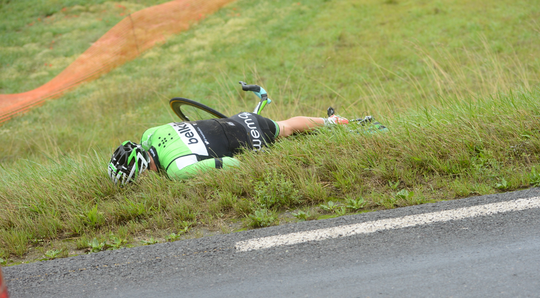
{"x": 182, "y": 149}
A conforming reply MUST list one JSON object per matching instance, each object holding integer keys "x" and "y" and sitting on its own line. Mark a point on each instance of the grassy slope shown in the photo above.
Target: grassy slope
{"x": 440, "y": 74}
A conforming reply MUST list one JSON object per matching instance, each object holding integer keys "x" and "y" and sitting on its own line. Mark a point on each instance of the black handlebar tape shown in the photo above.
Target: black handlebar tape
{"x": 246, "y": 87}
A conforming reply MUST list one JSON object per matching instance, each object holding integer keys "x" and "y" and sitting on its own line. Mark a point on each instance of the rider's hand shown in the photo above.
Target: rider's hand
{"x": 335, "y": 119}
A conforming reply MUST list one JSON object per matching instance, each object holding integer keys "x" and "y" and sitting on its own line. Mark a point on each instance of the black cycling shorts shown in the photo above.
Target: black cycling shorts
{"x": 228, "y": 136}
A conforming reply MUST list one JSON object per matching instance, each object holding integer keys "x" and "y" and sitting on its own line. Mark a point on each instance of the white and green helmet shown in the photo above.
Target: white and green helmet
{"x": 129, "y": 160}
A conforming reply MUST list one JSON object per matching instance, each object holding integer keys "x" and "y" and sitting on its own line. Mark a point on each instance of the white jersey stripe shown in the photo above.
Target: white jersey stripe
{"x": 190, "y": 137}
{"x": 185, "y": 161}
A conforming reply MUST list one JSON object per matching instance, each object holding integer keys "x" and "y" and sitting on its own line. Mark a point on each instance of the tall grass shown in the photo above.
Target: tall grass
{"x": 455, "y": 81}
{"x": 441, "y": 153}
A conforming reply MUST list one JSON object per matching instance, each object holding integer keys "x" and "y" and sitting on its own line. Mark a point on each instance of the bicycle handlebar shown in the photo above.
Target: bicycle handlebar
{"x": 260, "y": 92}
{"x": 246, "y": 87}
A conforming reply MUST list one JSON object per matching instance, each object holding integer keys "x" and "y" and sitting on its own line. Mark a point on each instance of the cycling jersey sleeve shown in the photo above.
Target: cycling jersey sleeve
{"x": 202, "y": 166}
{"x": 145, "y": 139}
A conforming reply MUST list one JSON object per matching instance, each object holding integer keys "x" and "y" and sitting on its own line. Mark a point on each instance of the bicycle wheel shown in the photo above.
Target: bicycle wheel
{"x": 190, "y": 110}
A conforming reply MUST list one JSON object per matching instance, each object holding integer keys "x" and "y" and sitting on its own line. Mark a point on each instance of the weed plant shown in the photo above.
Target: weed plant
{"x": 454, "y": 81}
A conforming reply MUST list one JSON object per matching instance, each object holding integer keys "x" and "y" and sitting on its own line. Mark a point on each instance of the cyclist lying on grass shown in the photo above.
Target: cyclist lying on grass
{"x": 183, "y": 149}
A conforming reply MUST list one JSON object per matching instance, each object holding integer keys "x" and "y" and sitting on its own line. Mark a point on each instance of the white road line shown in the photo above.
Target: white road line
{"x": 387, "y": 224}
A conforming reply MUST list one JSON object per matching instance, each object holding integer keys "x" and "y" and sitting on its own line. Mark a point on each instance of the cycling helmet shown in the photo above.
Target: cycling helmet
{"x": 129, "y": 160}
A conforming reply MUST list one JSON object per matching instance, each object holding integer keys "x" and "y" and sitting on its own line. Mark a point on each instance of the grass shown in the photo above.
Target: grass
{"x": 455, "y": 81}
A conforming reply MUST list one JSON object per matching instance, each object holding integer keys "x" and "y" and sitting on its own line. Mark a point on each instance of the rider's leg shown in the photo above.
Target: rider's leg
{"x": 298, "y": 124}
{"x": 301, "y": 124}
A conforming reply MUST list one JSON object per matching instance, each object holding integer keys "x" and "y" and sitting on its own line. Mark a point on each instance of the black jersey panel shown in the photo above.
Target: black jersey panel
{"x": 214, "y": 137}
{"x": 269, "y": 127}
{"x": 257, "y": 132}
{"x": 228, "y": 136}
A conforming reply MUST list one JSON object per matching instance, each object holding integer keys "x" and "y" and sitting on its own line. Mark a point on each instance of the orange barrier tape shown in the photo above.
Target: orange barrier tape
{"x": 130, "y": 37}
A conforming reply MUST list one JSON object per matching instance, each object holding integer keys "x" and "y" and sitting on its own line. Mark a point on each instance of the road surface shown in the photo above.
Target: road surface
{"x": 487, "y": 246}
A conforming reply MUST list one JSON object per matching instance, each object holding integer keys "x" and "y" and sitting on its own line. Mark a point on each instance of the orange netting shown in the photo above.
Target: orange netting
{"x": 125, "y": 41}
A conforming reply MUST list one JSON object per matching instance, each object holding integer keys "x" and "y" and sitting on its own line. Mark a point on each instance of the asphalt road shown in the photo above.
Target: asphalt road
{"x": 491, "y": 255}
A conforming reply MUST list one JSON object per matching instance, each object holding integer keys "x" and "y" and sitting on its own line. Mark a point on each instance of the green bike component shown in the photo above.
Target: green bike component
{"x": 260, "y": 92}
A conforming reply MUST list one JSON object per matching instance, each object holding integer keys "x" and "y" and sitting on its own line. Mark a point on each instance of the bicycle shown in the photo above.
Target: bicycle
{"x": 190, "y": 110}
